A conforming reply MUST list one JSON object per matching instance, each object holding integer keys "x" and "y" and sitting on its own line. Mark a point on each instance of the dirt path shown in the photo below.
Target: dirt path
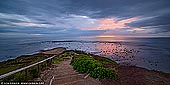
{"x": 64, "y": 74}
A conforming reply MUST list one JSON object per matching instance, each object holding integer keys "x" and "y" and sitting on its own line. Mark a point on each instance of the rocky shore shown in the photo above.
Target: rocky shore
{"x": 127, "y": 75}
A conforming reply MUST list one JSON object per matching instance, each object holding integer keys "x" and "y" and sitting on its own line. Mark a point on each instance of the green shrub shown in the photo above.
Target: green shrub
{"x": 86, "y": 64}
{"x": 19, "y": 76}
{"x": 103, "y": 60}
{"x": 34, "y": 72}
{"x": 101, "y": 72}
{"x": 92, "y": 65}
{"x": 15, "y": 77}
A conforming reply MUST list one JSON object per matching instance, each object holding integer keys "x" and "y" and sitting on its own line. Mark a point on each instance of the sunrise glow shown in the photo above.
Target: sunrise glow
{"x": 105, "y": 36}
{"x": 112, "y": 24}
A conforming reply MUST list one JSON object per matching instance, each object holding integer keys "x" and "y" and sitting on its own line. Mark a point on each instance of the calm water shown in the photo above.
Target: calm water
{"x": 150, "y": 53}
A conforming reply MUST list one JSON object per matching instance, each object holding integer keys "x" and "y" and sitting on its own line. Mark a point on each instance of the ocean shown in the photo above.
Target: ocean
{"x": 150, "y": 53}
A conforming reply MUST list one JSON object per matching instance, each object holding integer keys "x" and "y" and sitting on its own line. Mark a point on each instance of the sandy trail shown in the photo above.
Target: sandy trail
{"x": 64, "y": 74}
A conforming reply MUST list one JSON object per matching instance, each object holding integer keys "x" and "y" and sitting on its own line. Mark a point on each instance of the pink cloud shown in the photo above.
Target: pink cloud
{"x": 112, "y": 23}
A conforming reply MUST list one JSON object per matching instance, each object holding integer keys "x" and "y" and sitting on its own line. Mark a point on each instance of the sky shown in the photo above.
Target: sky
{"x": 84, "y": 18}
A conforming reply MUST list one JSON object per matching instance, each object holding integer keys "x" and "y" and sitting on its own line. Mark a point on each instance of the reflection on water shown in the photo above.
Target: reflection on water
{"x": 116, "y": 51}
{"x": 123, "y": 53}
{"x": 150, "y": 54}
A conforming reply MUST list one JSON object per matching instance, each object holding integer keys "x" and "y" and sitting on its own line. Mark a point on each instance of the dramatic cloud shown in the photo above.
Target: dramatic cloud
{"x": 111, "y": 24}
{"x": 76, "y": 18}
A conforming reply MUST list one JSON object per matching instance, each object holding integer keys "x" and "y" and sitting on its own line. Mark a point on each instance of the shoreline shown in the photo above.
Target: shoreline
{"x": 51, "y": 49}
{"x": 140, "y": 54}
{"x": 123, "y": 70}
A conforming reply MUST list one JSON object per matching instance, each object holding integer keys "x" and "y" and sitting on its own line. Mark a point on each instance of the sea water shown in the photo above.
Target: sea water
{"x": 150, "y": 53}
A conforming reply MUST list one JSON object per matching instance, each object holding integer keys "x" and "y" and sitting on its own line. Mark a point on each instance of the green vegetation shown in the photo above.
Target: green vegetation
{"x": 84, "y": 63}
{"x": 20, "y": 62}
{"x": 28, "y": 74}
{"x": 101, "y": 72}
{"x": 103, "y": 60}
{"x": 16, "y": 77}
{"x": 8, "y": 69}
{"x": 65, "y": 56}
{"x": 33, "y": 72}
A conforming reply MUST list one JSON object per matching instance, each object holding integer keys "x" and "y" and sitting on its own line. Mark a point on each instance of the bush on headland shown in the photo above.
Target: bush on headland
{"x": 81, "y": 61}
{"x": 101, "y": 72}
{"x": 84, "y": 63}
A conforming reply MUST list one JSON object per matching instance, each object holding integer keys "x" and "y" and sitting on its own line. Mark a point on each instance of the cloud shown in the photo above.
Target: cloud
{"x": 26, "y": 24}
{"x": 157, "y": 24}
{"x": 14, "y": 17}
{"x": 85, "y": 17}
{"x": 112, "y": 23}
{"x": 36, "y": 34}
